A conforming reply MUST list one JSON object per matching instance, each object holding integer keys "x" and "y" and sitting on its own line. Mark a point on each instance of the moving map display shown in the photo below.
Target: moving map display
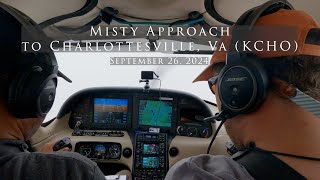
{"x": 150, "y": 149}
{"x": 155, "y": 113}
{"x": 110, "y": 111}
{"x": 150, "y": 162}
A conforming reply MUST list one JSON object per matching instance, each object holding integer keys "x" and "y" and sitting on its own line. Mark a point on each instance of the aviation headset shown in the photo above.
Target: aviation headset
{"x": 243, "y": 82}
{"x": 32, "y": 91}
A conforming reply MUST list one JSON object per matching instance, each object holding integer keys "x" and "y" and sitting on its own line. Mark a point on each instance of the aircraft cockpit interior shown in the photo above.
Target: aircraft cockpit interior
{"x": 143, "y": 131}
{"x": 123, "y": 75}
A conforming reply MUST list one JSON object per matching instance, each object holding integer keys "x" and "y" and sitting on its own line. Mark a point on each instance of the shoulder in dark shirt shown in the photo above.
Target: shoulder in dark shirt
{"x": 58, "y": 165}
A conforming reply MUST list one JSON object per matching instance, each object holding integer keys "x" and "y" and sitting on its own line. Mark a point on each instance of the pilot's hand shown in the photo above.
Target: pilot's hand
{"x": 48, "y": 148}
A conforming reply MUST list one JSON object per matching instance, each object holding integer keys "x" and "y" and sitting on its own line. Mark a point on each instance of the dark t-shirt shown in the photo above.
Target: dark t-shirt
{"x": 17, "y": 163}
{"x": 208, "y": 167}
{"x": 245, "y": 165}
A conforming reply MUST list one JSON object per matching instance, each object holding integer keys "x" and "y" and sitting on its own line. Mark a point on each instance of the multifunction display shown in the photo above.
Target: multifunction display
{"x": 155, "y": 113}
{"x": 150, "y": 148}
{"x": 151, "y": 160}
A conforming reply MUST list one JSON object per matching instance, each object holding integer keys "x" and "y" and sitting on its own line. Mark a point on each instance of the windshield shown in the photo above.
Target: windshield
{"x": 88, "y": 70}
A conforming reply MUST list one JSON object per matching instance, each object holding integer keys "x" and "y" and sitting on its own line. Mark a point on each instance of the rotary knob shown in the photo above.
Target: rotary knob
{"x": 173, "y": 151}
{"x": 192, "y": 132}
{"x": 181, "y": 130}
{"x": 127, "y": 152}
{"x": 205, "y": 133}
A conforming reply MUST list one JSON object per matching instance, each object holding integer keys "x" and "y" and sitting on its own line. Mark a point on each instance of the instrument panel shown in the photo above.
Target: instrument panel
{"x": 98, "y": 150}
{"x": 142, "y": 129}
{"x": 134, "y": 110}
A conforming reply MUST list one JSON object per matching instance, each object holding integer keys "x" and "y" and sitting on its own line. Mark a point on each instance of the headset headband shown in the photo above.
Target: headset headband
{"x": 265, "y": 9}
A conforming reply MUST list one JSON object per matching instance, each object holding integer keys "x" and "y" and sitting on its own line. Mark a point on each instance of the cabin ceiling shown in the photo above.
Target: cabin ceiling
{"x": 143, "y": 10}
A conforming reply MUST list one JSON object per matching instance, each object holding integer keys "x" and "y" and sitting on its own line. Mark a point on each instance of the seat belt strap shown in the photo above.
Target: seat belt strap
{"x": 265, "y": 166}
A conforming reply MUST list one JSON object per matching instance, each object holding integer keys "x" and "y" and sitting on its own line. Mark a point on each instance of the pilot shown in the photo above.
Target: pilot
{"x": 22, "y": 110}
{"x": 277, "y": 138}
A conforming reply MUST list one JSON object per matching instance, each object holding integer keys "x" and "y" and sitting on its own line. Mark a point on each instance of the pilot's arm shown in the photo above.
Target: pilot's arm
{"x": 208, "y": 167}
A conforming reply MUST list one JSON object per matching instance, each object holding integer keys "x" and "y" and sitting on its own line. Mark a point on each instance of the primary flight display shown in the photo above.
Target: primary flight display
{"x": 110, "y": 111}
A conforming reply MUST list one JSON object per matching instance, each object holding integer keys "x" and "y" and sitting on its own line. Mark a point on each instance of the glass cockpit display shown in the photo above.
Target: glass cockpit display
{"x": 109, "y": 111}
{"x": 150, "y": 162}
{"x": 100, "y": 149}
{"x": 155, "y": 113}
{"x": 150, "y": 149}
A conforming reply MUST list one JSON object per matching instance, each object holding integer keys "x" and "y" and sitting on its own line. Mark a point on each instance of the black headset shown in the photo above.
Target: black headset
{"x": 32, "y": 91}
{"x": 243, "y": 82}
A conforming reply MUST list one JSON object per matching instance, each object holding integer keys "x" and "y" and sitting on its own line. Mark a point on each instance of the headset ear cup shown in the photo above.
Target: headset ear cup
{"x": 32, "y": 93}
{"x": 243, "y": 86}
{"x": 40, "y": 93}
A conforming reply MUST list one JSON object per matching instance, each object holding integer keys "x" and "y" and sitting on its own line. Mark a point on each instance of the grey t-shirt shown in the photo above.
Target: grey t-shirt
{"x": 18, "y": 164}
{"x": 208, "y": 167}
